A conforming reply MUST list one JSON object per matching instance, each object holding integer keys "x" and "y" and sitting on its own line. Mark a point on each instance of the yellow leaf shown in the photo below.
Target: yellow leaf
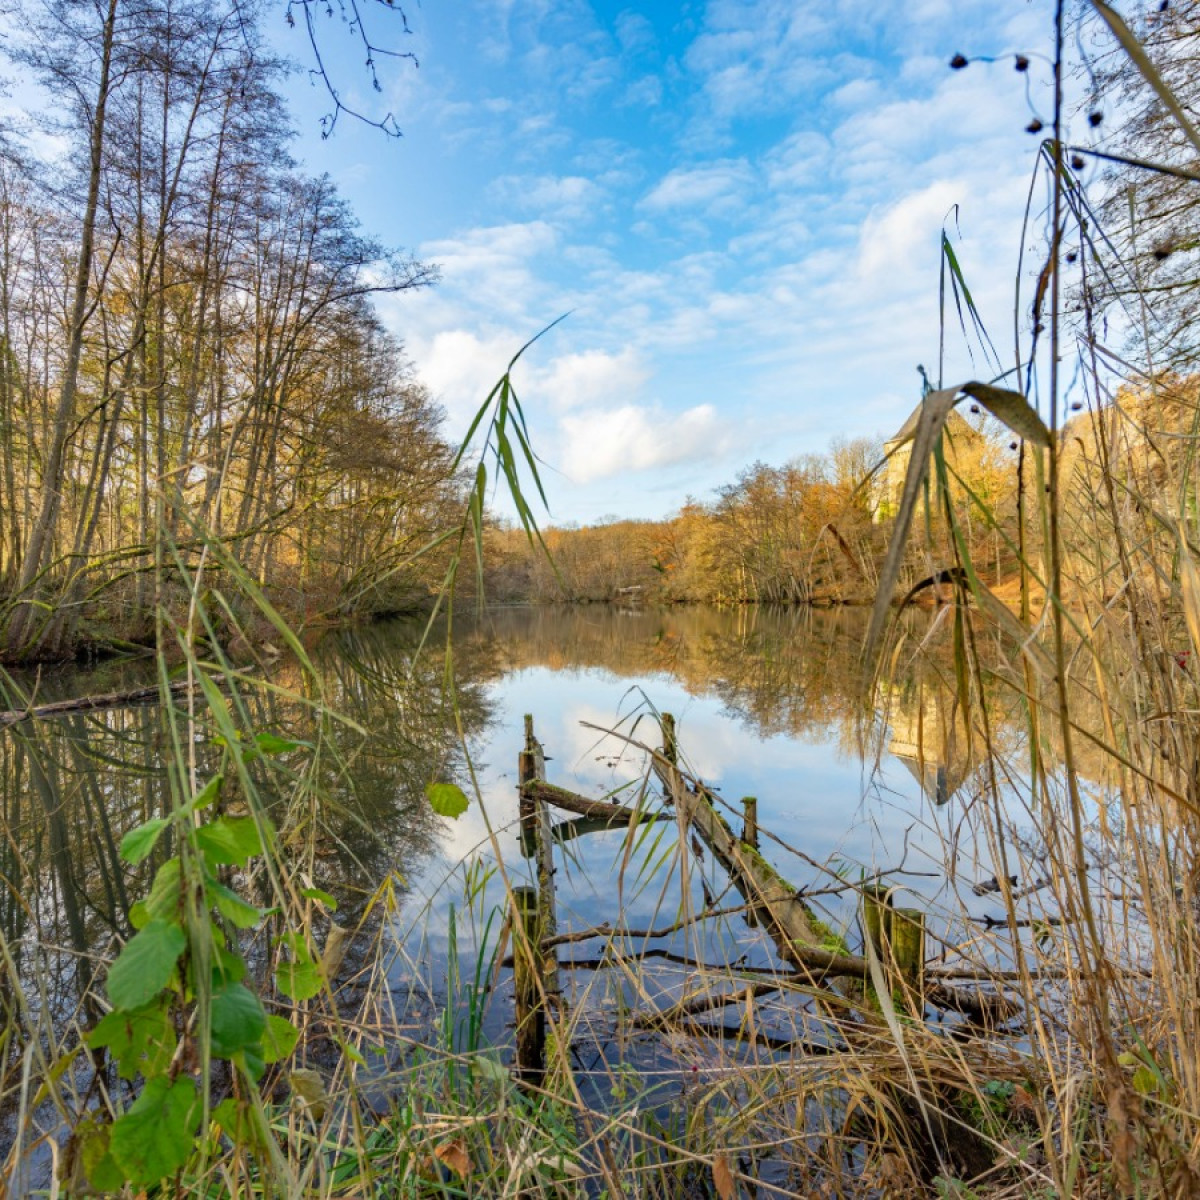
{"x": 723, "y": 1179}
{"x": 454, "y": 1155}
{"x": 309, "y": 1087}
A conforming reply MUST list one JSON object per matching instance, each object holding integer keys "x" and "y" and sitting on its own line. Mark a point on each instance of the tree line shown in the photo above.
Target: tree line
{"x": 189, "y": 356}
{"x": 811, "y": 531}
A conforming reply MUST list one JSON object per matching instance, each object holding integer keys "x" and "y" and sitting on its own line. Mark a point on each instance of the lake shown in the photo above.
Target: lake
{"x": 768, "y": 704}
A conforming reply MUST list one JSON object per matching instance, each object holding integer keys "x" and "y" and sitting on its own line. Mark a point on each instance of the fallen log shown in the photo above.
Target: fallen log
{"x": 598, "y": 810}
{"x": 61, "y": 708}
{"x": 800, "y": 937}
{"x": 796, "y": 934}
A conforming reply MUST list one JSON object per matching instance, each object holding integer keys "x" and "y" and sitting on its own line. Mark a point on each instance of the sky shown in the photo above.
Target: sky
{"x": 738, "y": 203}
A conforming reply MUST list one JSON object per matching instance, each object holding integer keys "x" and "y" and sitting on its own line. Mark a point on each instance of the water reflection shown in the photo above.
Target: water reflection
{"x": 71, "y": 787}
{"x": 769, "y": 704}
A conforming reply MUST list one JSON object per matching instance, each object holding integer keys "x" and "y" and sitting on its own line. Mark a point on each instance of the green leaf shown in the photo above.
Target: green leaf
{"x": 155, "y": 1136}
{"x": 141, "y": 1041}
{"x": 92, "y": 1136}
{"x": 250, "y": 1061}
{"x": 228, "y": 965}
{"x": 137, "y": 843}
{"x": 350, "y": 1052}
{"x": 144, "y": 966}
{"x": 236, "y": 1121}
{"x": 313, "y": 893}
{"x": 206, "y": 795}
{"x": 232, "y": 907}
{"x": 272, "y": 743}
{"x": 230, "y": 841}
{"x": 447, "y": 799}
{"x": 1145, "y": 1082}
{"x": 237, "y": 1021}
{"x": 279, "y": 1039}
{"x": 163, "y": 898}
{"x": 299, "y": 979}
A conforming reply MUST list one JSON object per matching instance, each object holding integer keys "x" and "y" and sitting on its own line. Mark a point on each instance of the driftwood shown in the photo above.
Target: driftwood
{"x": 62, "y": 708}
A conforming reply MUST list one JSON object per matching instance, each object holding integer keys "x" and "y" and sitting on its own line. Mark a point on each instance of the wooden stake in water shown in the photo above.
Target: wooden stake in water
{"x": 670, "y": 741}
{"x": 750, "y": 821}
{"x": 526, "y": 774}
{"x": 908, "y": 947}
{"x": 529, "y": 989}
{"x": 537, "y": 842}
{"x": 877, "y": 919}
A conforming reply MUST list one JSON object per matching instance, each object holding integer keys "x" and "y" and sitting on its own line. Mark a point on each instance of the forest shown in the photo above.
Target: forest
{"x": 191, "y": 361}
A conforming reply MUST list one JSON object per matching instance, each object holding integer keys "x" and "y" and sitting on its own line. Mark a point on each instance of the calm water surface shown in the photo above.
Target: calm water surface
{"x": 767, "y": 705}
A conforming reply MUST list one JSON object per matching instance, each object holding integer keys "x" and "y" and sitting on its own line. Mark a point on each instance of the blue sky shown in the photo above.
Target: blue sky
{"x": 738, "y": 201}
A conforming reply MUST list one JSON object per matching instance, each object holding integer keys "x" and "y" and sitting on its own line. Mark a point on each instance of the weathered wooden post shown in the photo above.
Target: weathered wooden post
{"x": 750, "y": 838}
{"x": 908, "y": 949}
{"x": 526, "y": 773}
{"x": 670, "y": 741}
{"x": 877, "y": 920}
{"x": 750, "y": 821}
{"x": 529, "y": 989}
{"x": 537, "y": 842}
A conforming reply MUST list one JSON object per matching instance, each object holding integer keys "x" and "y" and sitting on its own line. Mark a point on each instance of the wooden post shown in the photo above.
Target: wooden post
{"x": 670, "y": 741}
{"x": 547, "y": 908}
{"x": 877, "y": 920}
{"x": 531, "y": 766}
{"x": 527, "y": 982}
{"x": 526, "y": 774}
{"x": 537, "y": 842}
{"x": 750, "y": 821}
{"x": 908, "y": 947}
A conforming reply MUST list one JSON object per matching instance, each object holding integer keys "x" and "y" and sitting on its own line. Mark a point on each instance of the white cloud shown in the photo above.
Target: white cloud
{"x": 758, "y": 57}
{"x": 717, "y": 187}
{"x": 588, "y": 379}
{"x": 553, "y": 197}
{"x": 901, "y": 239}
{"x": 603, "y": 442}
{"x": 460, "y": 368}
{"x": 646, "y": 92}
{"x": 798, "y": 161}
